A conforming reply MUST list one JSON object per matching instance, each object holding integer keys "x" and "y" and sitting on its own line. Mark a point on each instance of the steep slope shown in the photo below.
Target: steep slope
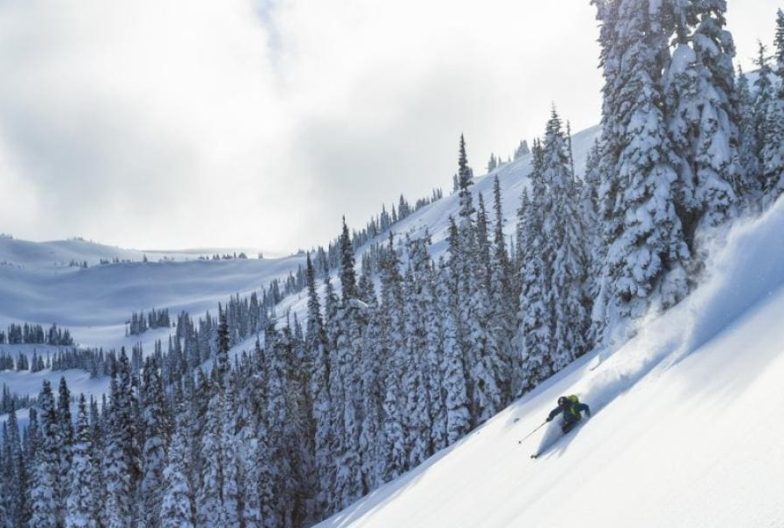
{"x": 685, "y": 429}
{"x": 434, "y": 218}
{"x": 512, "y": 177}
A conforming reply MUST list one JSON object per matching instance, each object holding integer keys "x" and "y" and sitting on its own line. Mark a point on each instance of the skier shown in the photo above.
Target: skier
{"x": 571, "y": 408}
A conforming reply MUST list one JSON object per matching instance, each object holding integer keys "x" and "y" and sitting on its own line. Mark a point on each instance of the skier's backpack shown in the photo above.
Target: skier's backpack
{"x": 575, "y": 401}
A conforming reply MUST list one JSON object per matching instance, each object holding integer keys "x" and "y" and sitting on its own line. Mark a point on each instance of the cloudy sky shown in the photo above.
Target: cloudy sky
{"x": 258, "y": 123}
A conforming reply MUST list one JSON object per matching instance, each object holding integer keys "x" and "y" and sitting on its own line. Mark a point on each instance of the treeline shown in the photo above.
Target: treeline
{"x": 34, "y": 334}
{"x": 141, "y": 322}
{"x": 93, "y": 360}
{"x": 227, "y": 256}
{"x": 21, "y": 362}
{"x": 10, "y": 401}
{"x": 497, "y": 161}
{"x": 114, "y": 260}
{"x": 328, "y": 260}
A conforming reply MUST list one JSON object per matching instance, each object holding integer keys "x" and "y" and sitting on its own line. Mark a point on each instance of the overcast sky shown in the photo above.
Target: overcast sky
{"x": 172, "y": 123}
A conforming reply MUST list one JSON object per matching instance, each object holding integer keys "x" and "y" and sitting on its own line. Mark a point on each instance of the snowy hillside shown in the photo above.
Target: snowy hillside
{"x": 37, "y": 286}
{"x": 685, "y": 429}
{"x": 60, "y": 253}
{"x": 26, "y": 383}
{"x": 512, "y": 176}
{"x": 434, "y": 218}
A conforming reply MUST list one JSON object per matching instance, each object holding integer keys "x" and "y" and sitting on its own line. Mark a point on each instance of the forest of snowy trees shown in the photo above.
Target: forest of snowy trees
{"x": 34, "y": 334}
{"x": 402, "y": 356}
{"x": 141, "y": 322}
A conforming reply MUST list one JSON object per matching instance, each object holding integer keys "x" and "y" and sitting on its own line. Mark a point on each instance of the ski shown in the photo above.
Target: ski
{"x": 555, "y": 441}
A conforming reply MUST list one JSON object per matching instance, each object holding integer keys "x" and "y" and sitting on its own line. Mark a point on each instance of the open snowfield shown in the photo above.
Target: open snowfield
{"x": 686, "y": 429}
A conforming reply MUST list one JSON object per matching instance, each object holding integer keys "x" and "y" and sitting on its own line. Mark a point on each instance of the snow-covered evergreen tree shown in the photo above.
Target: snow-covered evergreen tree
{"x": 484, "y": 351}
{"x": 14, "y": 479}
{"x": 645, "y": 265}
{"x": 230, "y": 492}
{"x": 429, "y": 313}
{"x": 465, "y": 178}
{"x": 247, "y": 446}
{"x": 80, "y": 511}
{"x": 348, "y": 352}
{"x": 276, "y": 440}
{"x": 177, "y": 502}
{"x": 416, "y": 416}
{"x": 348, "y": 278}
{"x": 590, "y": 211}
{"x": 458, "y": 414}
{"x": 373, "y": 371}
{"x": 15, "y": 474}
{"x": 209, "y": 501}
{"x": 156, "y": 434}
{"x": 315, "y": 343}
{"x": 564, "y": 253}
{"x": 748, "y": 150}
{"x": 772, "y": 155}
{"x": 120, "y": 460}
{"x": 65, "y": 423}
{"x": 534, "y": 331}
{"x": 522, "y": 150}
{"x": 610, "y": 145}
{"x": 97, "y": 438}
{"x": 419, "y": 369}
{"x": 492, "y": 164}
{"x": 702, "y": 113}
{"x": 392, "y": 452}
{"x": 46, "y": 469}
{"x": 503, "y": 303}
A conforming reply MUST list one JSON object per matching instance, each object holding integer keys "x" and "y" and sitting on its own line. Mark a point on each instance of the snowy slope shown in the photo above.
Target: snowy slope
{"x": 59, "y": 253}
{"x": 95, "y": 302}
{"x": 27, "y": 383}
{"x": 434, "y": 218}
{"x": 512, "y": 177}
{"x": 686, "y": 429}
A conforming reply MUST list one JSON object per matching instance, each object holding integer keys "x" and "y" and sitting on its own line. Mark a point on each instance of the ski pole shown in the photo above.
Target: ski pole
{"x": 532, "y": 432}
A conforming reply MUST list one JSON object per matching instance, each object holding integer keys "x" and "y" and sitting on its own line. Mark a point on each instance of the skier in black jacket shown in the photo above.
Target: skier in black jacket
{"x": 571, "y": 408}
